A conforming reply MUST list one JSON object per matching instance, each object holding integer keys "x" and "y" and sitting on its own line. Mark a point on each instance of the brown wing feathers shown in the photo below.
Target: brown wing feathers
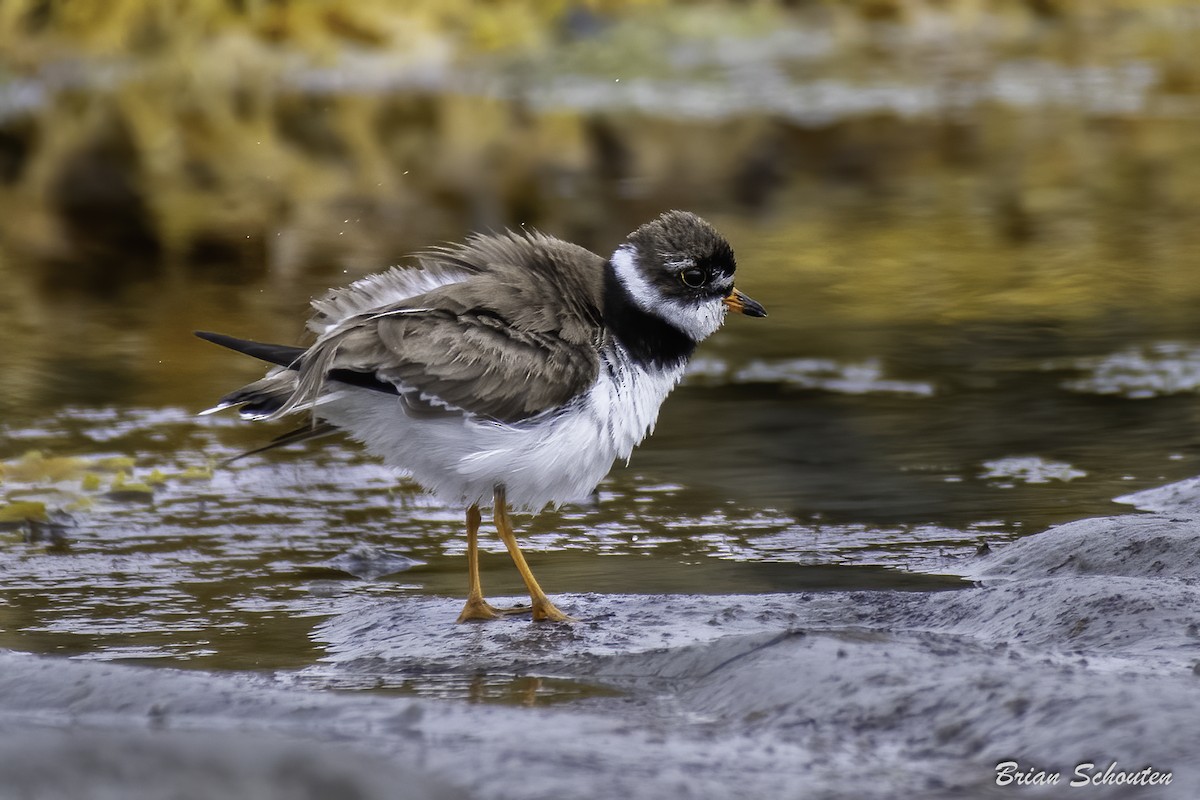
{"x": 479, "y": 363}
{"x": 515, "y": 337}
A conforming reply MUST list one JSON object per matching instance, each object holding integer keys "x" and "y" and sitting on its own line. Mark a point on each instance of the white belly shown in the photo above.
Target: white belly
{"x": 552, "y": 459}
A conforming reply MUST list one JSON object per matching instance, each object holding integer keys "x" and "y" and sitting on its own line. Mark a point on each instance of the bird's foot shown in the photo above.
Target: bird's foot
{"x": 477, "y": 609}
{"x": 545, "y": 611}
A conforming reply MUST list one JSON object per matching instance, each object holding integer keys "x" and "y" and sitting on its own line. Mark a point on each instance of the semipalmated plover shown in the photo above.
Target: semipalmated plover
{"x": 516, "y": 366}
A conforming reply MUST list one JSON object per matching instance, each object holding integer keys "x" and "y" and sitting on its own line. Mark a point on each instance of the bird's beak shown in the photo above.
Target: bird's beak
{"x": 736, "y": 301}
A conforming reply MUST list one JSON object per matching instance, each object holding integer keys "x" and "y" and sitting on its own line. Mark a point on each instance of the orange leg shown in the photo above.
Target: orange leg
{"x": 540, "y": 604}
{"x": 476, "y": 607}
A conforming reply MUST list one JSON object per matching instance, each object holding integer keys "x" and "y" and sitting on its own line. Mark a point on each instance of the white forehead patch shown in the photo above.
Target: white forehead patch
{"x": 697, "y": 321}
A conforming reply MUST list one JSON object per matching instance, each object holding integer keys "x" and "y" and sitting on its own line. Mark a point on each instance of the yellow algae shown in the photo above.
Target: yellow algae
{"x": 23, "y": 511}
{"x": 122, "y": 488}
{"x": 135, "y": 488}
{"x": 195, "y": 474}
{"x": 80, "y": 504}
{"x": 35, "y": 467}
{"x": 116, "y": 464}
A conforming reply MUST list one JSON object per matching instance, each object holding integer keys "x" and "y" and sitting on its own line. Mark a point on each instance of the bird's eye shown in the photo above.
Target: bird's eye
{"x": 693, "y": 277}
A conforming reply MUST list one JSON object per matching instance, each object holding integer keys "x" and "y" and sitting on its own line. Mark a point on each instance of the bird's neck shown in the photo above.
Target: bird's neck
{"x": 649, "y": 339}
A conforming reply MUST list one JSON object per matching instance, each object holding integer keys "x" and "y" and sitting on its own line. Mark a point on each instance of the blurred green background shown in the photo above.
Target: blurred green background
{"x": 888, "y": 160}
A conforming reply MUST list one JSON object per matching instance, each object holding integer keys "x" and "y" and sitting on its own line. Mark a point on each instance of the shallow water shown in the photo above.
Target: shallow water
{"x": 783, "y": 464}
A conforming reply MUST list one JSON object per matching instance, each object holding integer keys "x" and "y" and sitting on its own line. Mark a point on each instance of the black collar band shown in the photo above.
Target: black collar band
{"x": 650, "y": 340}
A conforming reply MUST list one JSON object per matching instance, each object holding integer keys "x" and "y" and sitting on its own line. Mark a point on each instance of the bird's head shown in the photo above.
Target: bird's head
{"x": 679, "y": 269}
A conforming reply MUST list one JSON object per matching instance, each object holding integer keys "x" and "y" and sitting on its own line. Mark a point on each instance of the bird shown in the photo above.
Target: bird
{"x": 514, "y": 367}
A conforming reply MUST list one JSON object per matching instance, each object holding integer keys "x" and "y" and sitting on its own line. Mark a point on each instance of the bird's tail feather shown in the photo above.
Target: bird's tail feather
{"x": 288, "y": 356}
{"x": 298, "y": 382}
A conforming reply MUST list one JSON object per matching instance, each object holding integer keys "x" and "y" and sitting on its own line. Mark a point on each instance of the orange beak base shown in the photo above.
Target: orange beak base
{"x": 736, "y": 301}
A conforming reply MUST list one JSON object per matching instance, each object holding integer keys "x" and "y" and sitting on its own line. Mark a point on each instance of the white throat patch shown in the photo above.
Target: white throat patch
{"x": 697, "y": 321}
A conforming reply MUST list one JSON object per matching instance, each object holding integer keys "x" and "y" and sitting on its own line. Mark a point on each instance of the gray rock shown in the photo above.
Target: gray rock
{"x": 98, "y": 763}
{"x": 1133, "y": 545}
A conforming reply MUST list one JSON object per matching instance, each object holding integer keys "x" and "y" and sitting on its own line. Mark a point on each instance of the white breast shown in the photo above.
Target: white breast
{"x": 554, "y": 458}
